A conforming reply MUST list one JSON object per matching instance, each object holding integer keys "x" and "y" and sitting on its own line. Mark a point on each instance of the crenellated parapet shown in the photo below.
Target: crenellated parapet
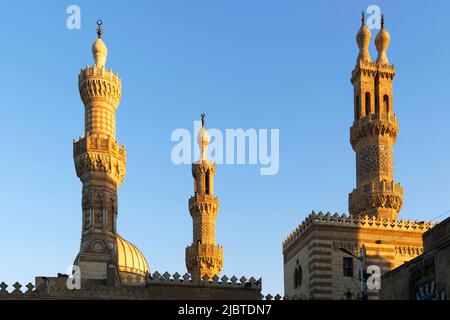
{"x": 155, "y": 286}
{"x": 352, "y": 221}
{"x": 98, "y": 83}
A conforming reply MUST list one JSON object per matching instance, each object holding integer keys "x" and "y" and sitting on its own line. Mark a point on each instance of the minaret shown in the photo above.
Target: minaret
{"x": 100, "y": 164}
{"x": 374, "y": 130}
{"x": 203, "y": 256}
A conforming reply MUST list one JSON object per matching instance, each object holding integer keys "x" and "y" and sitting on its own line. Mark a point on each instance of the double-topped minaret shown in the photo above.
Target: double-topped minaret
{"x": 203, "y": 256}
{"x": 374, "y": 130}
{"x": 100, "y": 164}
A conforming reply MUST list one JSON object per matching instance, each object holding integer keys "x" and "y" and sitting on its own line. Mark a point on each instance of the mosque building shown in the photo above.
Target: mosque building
{"x": 108, "y": 266}
{"x": 321, "y": 257}
{"x": 323, "y": 254}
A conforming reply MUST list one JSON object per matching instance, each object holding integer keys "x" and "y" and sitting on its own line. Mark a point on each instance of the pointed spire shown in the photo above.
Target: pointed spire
{"x": 99, "y": 49}
{"x": 203, "y": 140}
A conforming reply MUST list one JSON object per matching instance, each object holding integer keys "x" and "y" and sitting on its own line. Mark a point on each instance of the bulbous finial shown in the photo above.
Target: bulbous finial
{"x": 203, "y": 140}
{"x": 363, "y": 40}
{"x": 382, "y": 42}
{"x": 99, "y": 49}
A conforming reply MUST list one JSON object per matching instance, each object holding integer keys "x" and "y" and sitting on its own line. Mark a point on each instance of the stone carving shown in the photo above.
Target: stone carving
{"x": 96, "y": 82}
{"x": 374, "y": 125}
{"x": 355, "y": 221}
{"x": 384, "y": 194}
{"x": 375, "y": 159}
{"x": 94, "y": 153}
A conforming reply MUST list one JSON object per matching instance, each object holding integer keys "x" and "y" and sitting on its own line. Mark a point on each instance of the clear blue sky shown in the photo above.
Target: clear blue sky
{"x": 247, "y": 64}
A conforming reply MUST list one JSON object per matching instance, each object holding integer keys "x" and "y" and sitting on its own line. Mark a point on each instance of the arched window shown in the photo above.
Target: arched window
{"x": 298, "y": 277}
{"x": 357, "y": 108}
{"x": 295, "y": 279}
{"x": 207, "y": 189}
{"x": 367, "y": 102}
{"x": 386, "y": 104}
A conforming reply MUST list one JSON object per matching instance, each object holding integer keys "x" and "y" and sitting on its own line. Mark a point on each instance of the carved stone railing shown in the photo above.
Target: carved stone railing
{"x": 205, "y": 248}
{"x": 97, "y": 82}
{"x": 97, "y": 154}
{"x": 381, "y": 194}
{"x": 96, "y": 143}
{"x": 204, "y": 202}
{"x": 355, "y": 221}
{"x": 100, "y": 72}
{"x": 374, "y": 124}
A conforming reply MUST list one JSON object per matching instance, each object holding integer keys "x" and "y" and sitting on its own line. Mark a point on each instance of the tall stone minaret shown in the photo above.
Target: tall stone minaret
{"x": 203, "y": 256}
{"x": 100, "y": 164}
{"x": 374, "y": 130}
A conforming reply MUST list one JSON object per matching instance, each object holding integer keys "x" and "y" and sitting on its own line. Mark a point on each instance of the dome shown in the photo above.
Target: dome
{"x": 130, "y": 259}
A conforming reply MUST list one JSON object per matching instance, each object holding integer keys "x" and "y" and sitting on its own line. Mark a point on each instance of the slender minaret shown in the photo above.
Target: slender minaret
{"x": 203, "y": 256}
{"x": 374, "y": 130}
{"x": 100, "y": 164}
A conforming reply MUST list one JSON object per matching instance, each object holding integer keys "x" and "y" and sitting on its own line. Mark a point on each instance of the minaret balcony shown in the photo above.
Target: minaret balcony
{"x": 204, "y": 259}
{"x": 381, "y": 194}
{"x": 97, "y": 83}
{"x": 95, "y": 143}
{"x": 374, "y": 124}
{"x": 204, "y": 201}
{"x": 99, "y": 155}
{"x": 99, "y": 72}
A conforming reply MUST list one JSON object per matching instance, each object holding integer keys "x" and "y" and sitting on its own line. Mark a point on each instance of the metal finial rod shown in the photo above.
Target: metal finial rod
{"x": 99, "y": 29}
{"x": 203, "y": 119}
{"x": 382, "y": 21}
{"x": 363, "y": 18}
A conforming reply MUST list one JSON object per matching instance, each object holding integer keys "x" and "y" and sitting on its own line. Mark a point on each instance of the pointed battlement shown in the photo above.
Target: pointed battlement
{"x": 157, "y": 286}
{"x": 354, "y": 221}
